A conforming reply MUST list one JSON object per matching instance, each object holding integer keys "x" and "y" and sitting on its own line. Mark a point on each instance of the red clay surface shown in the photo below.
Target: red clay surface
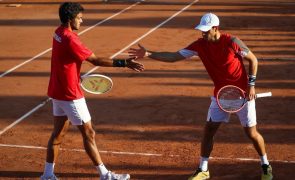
{"x": 160, "y": 111}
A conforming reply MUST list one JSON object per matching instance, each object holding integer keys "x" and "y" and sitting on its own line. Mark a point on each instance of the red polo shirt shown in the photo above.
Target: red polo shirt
{"x": 223, "y": 60}
{"x": 68, "y": 53}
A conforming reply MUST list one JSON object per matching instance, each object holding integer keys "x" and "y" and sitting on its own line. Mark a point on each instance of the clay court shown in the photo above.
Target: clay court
{"x": 150, "y": 125}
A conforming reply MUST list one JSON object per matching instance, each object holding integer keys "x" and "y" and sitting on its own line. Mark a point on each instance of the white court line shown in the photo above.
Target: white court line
{"x": 251, "y": 159}
{"x": 141, "y": 154}
{"x": 82, "y": 32}
{"x": 149, "y": 32}
{"x": 82, "y": 150}
{"x": 99, "y": 23}
{"x": 25, "y": 62}
{"x": 24, "y": 116}
{"x": 93, "y": 69}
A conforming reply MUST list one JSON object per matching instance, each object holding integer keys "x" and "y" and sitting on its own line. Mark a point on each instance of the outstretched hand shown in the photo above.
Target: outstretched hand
{"x": 137, "y": 53}
{"x": 134, "y": 65}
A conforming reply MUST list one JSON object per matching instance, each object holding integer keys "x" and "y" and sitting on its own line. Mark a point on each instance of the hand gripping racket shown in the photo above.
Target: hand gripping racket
{"x": 232, "y": 99}
{"x": 96, "y": 83}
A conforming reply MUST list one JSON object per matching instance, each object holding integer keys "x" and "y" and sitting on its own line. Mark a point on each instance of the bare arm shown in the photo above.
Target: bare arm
{"x": 96, "y": 61}
{"x": 129, "y": 63}
{"x": 253, "y": 67}
{"x": 160, "y": 56}
{"x": 165, "y": 56}
{"x": 253, "y": 63}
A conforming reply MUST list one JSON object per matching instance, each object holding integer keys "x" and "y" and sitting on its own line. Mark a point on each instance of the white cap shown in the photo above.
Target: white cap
{"x": 207, "y": 22}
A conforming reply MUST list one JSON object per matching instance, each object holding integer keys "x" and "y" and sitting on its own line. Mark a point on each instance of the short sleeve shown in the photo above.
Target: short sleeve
{"x": 190, "y": 50}
{"x": 187, "y": 53}
{"x": 240, "y": 47}
{"x": 78, "y": 50}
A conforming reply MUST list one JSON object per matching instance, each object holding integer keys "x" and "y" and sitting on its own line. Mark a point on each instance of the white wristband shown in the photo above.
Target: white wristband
{"x": 147, "y": 54}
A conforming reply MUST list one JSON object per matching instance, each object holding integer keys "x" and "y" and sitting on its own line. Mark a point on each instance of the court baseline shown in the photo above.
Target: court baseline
{"x": 139, "y": 153}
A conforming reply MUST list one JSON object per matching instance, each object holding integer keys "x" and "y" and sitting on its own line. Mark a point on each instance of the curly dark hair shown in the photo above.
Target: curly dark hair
{"x": 68, "y": 11}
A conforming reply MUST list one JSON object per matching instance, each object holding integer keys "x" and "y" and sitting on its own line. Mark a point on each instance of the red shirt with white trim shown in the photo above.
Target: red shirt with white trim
{"x": 222, "y": 60}
{"x": 68, "y": 53}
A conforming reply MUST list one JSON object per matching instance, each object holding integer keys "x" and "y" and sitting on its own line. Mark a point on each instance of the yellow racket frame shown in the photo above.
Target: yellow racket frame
{"x": 96, "y": 83}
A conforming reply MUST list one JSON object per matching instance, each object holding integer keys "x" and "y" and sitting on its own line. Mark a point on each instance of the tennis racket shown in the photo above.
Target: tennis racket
{"x": 232, "y": 99}
{"x": 96, "y": 83}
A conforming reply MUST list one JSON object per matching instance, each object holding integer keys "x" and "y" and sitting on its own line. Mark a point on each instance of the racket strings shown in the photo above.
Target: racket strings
{"x": 96, "y": 84}
{"x": 231, "y": 99}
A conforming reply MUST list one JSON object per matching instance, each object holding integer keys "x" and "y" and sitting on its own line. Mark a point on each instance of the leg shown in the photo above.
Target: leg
{"x": 248, "y": 119}
{"x": 208, "y": 138}
{"x": 256, "y": 139}
{"x": 82, "y": 120}
{"x": 259, "y": 145}
{"x": 88, "y": 135}
{"x": 214, "y": 118}
{"x": 61, "y": 124}
{"x": 206, "y": 148}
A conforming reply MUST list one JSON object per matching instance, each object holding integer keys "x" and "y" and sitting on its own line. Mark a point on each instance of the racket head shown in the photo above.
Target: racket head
{"x": 96, "y": 84}
{"x": 231, "y": 98}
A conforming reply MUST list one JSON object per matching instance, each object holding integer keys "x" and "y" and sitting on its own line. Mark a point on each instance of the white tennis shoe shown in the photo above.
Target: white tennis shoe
{"x": 112, "y": 176}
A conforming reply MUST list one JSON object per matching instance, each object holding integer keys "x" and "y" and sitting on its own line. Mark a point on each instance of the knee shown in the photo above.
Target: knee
{"x": 90, "y": 133}
{"x": 210, "y": 130}
{"x": 253, "y": 134}
{"x": 56, "y": 138}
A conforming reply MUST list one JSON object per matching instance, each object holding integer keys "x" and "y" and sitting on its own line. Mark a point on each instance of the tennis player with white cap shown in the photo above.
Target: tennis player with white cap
{"x": 207, "y": 22}
{"x": 222, "y": 55}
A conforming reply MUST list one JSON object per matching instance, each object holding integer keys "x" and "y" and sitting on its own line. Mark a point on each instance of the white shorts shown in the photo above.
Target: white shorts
{"x": 75, "y": 110}
{"x": 247, "y": 115}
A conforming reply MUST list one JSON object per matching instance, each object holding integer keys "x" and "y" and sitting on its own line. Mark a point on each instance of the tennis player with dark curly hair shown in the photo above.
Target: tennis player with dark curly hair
{"x": 69, "y": 105}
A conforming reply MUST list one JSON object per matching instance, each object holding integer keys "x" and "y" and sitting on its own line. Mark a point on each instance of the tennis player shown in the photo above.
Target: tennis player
{"x": 222, "y": 56}
{"x": 69, "y": 106}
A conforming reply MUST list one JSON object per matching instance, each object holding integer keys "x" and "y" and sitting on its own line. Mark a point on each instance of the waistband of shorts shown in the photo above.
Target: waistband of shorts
{"x": 75, "y": 100}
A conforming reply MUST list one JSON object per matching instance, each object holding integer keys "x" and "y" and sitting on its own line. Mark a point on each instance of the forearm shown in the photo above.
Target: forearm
{"x": 253, "y": 67}
{"x": 110, "y": 63}
{"x": 102, "y": 62}
{"x": 122, "y": 63}
{"x": 96, "y": 61}
{"x": 253, "y": 64}
{"x": 164, "y": 56}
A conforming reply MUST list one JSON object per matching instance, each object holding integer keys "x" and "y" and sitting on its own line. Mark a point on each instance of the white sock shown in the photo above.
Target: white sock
{"x": 48, "y": 170}
{"x": 264, "y": 159}
{"x": 204, "y": 163}
{"x": 102, "y": 169}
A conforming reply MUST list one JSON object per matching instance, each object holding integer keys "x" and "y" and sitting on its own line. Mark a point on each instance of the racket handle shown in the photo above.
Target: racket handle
{"x": 267, "y": 94}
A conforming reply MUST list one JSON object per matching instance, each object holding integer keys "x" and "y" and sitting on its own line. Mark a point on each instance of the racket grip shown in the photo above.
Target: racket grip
{"x": 267, "y": 94}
